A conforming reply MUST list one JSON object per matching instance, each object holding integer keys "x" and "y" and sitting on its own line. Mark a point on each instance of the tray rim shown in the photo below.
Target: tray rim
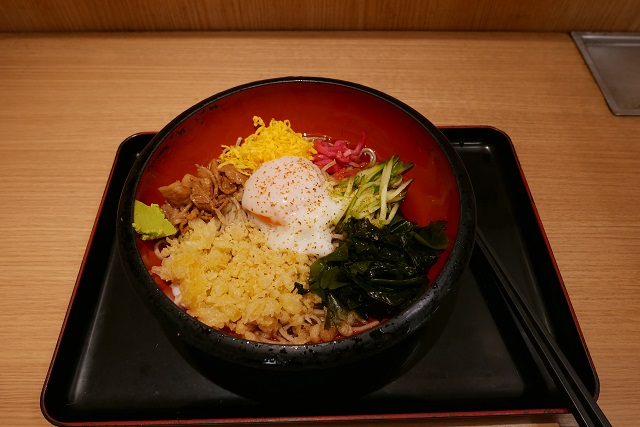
{"x": 317, "y": 418}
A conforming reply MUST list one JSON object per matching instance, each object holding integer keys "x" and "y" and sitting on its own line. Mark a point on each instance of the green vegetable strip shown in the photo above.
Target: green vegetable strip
{"x": 394, "y": 210}
{"x": 386, "y": 176}
{"x": 397, "y": 191}
{"x": 374, "y": 192}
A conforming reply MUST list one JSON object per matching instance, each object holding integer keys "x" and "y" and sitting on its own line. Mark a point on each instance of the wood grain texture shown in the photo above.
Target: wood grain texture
{"x": 68, "y": 100}
{"x": 252, "y": 15}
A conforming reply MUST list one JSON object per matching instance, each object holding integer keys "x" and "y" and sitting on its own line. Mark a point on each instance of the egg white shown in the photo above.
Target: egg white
{"x": 289, "y": 199}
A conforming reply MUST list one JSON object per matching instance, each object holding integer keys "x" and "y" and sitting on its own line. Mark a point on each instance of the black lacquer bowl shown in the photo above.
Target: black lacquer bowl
{"x": 441, "y": 191}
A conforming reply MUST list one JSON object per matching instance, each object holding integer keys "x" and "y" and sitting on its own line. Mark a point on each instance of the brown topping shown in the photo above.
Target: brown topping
{"x": 176, "y": 194}
{"x": 201, "y": 196}
{"x": 233, "y": 174}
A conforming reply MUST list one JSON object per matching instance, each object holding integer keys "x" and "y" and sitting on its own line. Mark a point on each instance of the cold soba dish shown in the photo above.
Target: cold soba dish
{"x": 289, "y": 238}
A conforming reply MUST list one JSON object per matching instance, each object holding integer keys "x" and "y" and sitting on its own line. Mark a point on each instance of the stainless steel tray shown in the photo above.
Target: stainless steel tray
{"x": 614, "y": 61}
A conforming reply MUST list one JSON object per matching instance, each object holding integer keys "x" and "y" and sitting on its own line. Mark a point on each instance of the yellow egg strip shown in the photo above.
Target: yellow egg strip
{"x": 265, "y": 144}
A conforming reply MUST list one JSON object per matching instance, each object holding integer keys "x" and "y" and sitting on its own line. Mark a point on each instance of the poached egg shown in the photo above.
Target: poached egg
{"x": 289, "y": 199}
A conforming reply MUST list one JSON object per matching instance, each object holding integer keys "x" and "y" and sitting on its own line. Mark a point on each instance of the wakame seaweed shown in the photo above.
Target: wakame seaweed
{"x": 376, "y": 270}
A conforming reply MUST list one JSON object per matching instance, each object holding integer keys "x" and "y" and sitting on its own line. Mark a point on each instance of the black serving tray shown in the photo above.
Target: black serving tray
{"x": 114, "y": 365}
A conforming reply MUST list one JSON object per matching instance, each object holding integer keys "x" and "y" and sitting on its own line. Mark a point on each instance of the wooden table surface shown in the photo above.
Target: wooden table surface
{"x": 68, "y": 100}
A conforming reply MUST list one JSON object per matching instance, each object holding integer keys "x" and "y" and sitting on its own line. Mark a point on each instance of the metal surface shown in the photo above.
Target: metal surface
{"x": 614, "y": 61}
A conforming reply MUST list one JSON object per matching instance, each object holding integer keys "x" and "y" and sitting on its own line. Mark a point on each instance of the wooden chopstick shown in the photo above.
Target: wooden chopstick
{"x": 581, "y": 404}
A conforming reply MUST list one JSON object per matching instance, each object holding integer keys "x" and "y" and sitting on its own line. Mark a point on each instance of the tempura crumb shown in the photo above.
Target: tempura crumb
{"x": 230, "y": 279}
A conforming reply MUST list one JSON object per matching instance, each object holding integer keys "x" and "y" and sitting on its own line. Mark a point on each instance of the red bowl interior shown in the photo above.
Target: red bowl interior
{"x": 340, "y": 112}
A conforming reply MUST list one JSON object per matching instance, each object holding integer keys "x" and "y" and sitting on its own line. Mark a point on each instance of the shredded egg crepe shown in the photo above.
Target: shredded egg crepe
{"x": 267, "y": 143}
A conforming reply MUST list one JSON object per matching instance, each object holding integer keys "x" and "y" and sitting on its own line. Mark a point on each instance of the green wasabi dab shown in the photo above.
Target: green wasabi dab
{"x": 150, "y": 222}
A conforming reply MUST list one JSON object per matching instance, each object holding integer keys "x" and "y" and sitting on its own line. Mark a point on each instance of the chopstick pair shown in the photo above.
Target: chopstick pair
{"x": 581, "y": 404}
